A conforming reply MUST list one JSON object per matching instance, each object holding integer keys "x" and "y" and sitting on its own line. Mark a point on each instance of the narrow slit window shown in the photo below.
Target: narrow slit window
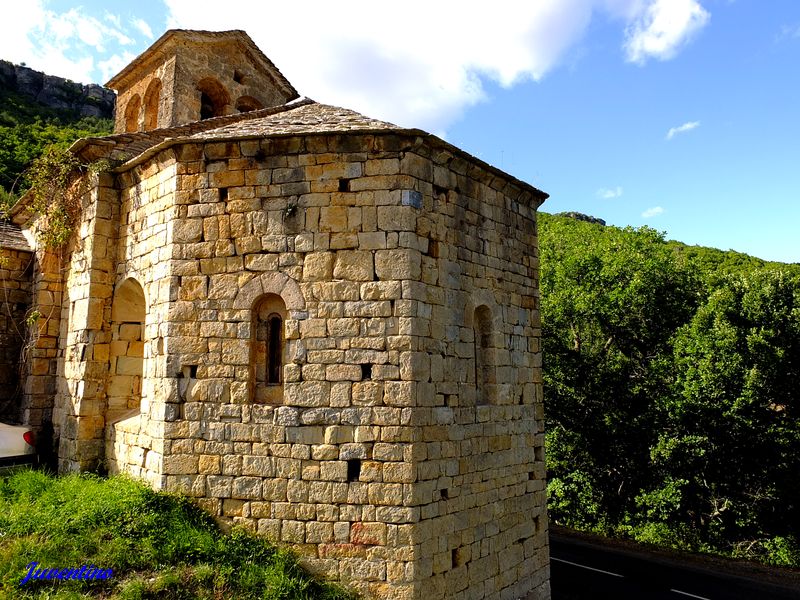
{"x": 274, "y": 362}
{"x": 207, "y": 109}
{"x": 267, "y": 358}
{"x": 484, "y": 373}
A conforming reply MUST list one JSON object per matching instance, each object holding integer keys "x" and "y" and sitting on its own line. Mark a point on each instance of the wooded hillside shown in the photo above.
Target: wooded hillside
{"x": 671, "y": 381}
{"x": 38, "y": 110}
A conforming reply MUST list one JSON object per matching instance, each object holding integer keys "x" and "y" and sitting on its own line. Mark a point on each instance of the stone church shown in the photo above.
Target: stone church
{"x": 321, "y": 326}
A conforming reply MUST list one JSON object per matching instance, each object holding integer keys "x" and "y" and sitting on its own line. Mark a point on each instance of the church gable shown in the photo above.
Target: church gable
{"x": 188, "y": 76}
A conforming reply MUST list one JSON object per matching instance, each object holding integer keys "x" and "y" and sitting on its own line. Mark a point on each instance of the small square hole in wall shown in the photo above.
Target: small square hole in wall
{"x": 223, "y": 194}
{"x": 344, "y": 185}
{"x": 457, "y": 557}
{"x": 531, "y": 475}
{"x": 238, "y": 76}
{"x": 353, "y": 469}
{"x": 193, "y": 371}
{"x": 433, "y": 248}
{"x": 445, "y": 494}
{"x": 366, "y": 371}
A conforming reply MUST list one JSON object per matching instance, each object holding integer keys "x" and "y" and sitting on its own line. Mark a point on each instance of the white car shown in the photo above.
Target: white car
{"x": 17, "y": 446}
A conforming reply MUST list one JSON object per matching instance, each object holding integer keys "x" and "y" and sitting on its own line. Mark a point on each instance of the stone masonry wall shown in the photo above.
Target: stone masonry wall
{"x": 378, "y": 464}
{"x": 166, "y": 74}
{"x": 198, "y": 61}
{"x": 41, "y": 365}
{"x": 388, "y": 457}
{"x": 15, "y": 300}
{"x": 80, "y": 399}
{"x": 148, "y": 212}
{"x": 480, "y": 473}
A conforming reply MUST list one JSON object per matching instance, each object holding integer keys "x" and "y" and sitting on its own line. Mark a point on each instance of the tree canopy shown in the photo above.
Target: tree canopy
{"x": 670, "y": 380}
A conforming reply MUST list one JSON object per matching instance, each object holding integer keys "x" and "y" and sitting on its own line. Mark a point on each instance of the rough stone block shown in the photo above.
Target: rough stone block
{"x": 354, "y": 266}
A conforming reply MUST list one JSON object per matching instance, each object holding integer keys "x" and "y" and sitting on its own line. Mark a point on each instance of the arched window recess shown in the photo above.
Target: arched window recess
{"x": 269, "y": 349}
{"x": 214, "y": 98}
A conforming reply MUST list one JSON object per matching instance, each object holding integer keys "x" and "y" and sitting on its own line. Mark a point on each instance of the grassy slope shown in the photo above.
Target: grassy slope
{"x": 158, "y": 545}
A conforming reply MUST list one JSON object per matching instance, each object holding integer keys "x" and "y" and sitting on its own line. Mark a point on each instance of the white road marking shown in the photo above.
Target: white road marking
{"x": 688, "y": 594}
{"x": 574, "y": 564}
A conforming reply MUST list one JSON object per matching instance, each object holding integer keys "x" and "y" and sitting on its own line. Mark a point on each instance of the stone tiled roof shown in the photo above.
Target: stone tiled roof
{"x": 302, "y": 116}
{"x": 11, "y": 237}
{"x": 298, "y": 117}
{"x": 122, "y": 147}
{"x": 301, "y": 119}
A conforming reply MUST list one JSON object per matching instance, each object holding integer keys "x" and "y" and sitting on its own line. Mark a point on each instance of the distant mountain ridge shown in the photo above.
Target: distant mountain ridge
{"x": 57, "y": 93}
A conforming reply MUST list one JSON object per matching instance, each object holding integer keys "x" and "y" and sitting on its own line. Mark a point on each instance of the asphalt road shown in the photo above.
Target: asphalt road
{"x": 583, "y": 568}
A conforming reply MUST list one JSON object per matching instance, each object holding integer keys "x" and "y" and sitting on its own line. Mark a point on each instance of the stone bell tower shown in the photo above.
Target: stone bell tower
{"x": 188, "y": 76}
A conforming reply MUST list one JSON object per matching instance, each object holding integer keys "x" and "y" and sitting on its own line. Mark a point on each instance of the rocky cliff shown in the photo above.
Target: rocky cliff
{"x": 581, "y": 217}
{"x": 58, "y": 93}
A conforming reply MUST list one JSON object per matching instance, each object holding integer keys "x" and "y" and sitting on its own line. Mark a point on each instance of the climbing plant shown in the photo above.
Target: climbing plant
{"x": 58, "y": 182}
{"x": 56, "y": 190}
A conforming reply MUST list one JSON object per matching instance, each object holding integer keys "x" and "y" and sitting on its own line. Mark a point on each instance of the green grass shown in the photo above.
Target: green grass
{"x": 158, "y": 545}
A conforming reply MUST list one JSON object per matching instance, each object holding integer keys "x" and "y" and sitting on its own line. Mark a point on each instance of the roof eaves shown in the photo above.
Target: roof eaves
{"x": 537, "y": 195}
{"x": 11, "y": 237}
{"x": 120, "y": 77}
{"x": 111, "y": 142}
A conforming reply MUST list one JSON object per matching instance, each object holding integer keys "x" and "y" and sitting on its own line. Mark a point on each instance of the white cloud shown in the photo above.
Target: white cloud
{"x": 661, "y": 27}
{"x": 673, "y": 131}
{"x": 45, "y": 41}
{"x": 652, "y": 212}
{"x": 143, "y": 27}
{"x": 63, "y": 44}
{"x": 609, "y": 193}
{"x": 421, "y": 63}
{"x": 114, "y": 64}
{"x": 113, "y": 19}
{"x": 417, "y": 64}
{"x": 788, "y": 32}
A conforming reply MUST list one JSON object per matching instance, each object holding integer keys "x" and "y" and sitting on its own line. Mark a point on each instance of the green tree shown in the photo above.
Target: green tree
{"x": 732, "y": 428}
{"x": 611, "y": 301}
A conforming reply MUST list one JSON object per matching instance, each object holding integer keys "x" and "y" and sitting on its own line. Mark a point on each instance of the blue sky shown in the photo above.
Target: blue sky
{"x": 683, "y": 115}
